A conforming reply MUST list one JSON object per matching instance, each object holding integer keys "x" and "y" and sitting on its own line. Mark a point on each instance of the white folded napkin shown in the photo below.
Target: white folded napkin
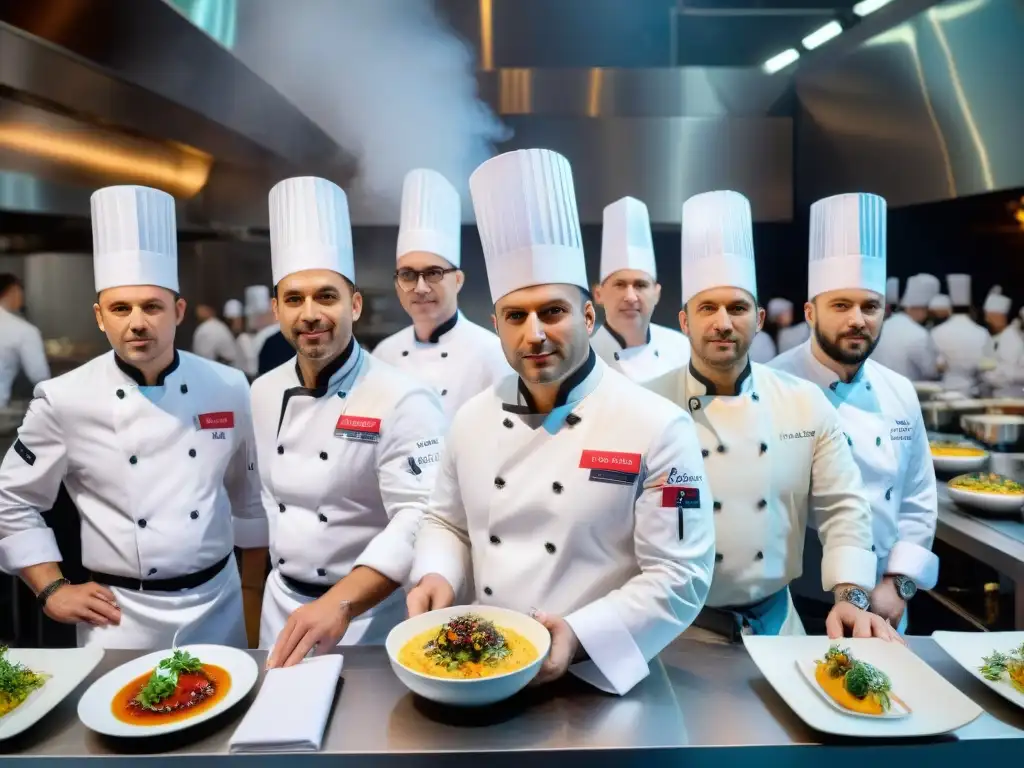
{"x": 291, "y": 709}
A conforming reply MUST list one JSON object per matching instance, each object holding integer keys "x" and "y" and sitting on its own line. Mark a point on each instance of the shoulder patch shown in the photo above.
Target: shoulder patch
{"x": 22, "y": 450}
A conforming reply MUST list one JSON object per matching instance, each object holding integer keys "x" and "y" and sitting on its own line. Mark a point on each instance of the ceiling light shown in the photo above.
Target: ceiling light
{"x": 864, "y": 7}
{"x": 822, "y": 35}
{"x": 781, "y": 60}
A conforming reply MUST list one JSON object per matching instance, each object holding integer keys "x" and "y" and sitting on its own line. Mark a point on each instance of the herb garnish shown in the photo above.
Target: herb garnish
{"x": 164, "y": 679}
{"x": 1011, "y": 664}
{"x": 16, "y": 682}
{"x": 860, "y": 679}
{"x": 467, "y": 638}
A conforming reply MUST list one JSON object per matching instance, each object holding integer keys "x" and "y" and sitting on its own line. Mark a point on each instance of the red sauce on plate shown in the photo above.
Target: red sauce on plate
{"x": 189, "y": 684}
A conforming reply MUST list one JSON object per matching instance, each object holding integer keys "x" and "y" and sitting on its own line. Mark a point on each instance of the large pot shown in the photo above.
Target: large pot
{"x": 940, "y": 416}
{"x": 994, "y": 428}
{"x": 1010, "y": 406}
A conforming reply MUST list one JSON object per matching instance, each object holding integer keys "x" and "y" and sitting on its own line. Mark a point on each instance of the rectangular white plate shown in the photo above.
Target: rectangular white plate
{"x": 67, "y": 668}
{"x": 808, "y": 668}
{"x": 937, "y": 706}
{"x": 968, "y": 648}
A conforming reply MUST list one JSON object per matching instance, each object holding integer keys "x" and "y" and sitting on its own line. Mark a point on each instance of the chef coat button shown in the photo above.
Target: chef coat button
{"x": 194, "y": 515}
{"x": 405, "y": 354}
{"x": 280, "y": 450}
{"x": 488, "y": 591}
{"x": 720, "y": 449}
{"x": 717, "y": 505}
{"x": 764, "y": 447}
{"x": 656, "y": 353}
{"x": 755, "y": 397}
{"x": 760, "y": 555}
{"x": 499, "y": 483}
{"x": 718, "y": 557}
{"x": 342, "y": 394}
{"x": 280, "y": 561}
{"x": 321, "y": 571}
{"x": 444, "y": 392}
{"x": 495, "y": 540}
{"x": 507, "y": 423}
{"x": 550, "y": 548}
{"x": 323, "y": 518}
{"x": 142, "y": 523}
{"x": 133, "y": 460}
{"x": 694, "y": 404}
{"x": 762, "y": 504}
{"x": 323, "y": 455}
{"x": 556, "y": 487}
{"x": 120, "y": 394}
{"x": 868, "y": 387}
{"x": 152, "y": 571}
{"x": 281, "y": 507}
{"x": 834, "y": 386}
{"x": 705, "y": 452}
{"x": 849, "y": 440}
{"x": 888, "y": 494}
{"x": 444, "y": 354}
{"x": 572, "y": 419}
{"x": 184, "y": 389}
{"x": 192, "y": 452}
{"x": 878, "y": 441}
{"x": 872, "y": 547}
{"x": 616, "y": 355}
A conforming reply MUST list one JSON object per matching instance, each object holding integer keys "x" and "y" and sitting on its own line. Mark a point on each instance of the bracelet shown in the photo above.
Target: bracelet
{"x": 49, "y": 589}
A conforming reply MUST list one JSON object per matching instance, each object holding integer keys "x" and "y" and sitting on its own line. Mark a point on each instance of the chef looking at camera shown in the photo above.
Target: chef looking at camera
{"x": 878, "y": 409}
{"x": 442, "y": 348}
{"x": 628, "y": 292}
{"x": 155, "y": 448}
{"x": 773, "y": 448}
{"x": 572, "y": 490}
{"x": 350, "y": 445}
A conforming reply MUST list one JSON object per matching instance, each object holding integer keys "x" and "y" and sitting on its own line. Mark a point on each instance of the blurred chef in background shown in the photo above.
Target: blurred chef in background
{"x": 21, "y": 343}
{"x": 940, "y": 309}
{"x": 906, "y": 346}
{"x": 349, "y": 445}
{"x": 878, "y": 409}
{"x": 1003, "y": 360}
{"x": 155, "y": 448}
{"x": 442, "y": 348}
{"x": 960, "y": 341}
{"x": 259, "y": 316}
{"x": 213, "y": 339}
{"x": 789, "y": 335}
{"x": 628, "y": 292}
{"x": 569, "y": 490}
{"x": 234, "y": 313}
{"x": 773, "y": 449}
{"x": 892, "y": 295}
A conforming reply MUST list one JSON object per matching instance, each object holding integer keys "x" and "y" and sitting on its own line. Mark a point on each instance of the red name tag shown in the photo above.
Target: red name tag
{"x": 680, "y": 496}
{"x": 358, "y": 424}
{"x": 620, "y": 462}
{"x": 219, "y": 420}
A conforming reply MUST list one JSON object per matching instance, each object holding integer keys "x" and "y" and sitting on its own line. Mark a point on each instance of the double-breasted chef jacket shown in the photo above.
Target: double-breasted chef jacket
{"x": 880, "y": 416}
{"x": 156, "y": 473}
{"x": 458, "y": 360}
{"x": 907, "y": 348}
{"x": 347, "y": 473}
{"x": 664, "y": 351}
{"x": 773, "y": 454}
{"x": 961, "y": 343}
{"x": 598, "y": 511}
{"x": 1006, "y": 350}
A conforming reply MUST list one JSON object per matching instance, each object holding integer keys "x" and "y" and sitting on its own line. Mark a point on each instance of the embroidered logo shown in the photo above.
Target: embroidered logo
{"x": 675, "y": 477}
{"x": 902, "y": 432}
{"x": 802, "y": 434}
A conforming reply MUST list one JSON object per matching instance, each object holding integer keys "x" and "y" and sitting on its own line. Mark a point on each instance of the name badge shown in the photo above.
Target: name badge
{"x": 680, "y": 497}
{"x": 358, "y": 428}
{"x": 611, "y": 466}
{"x": 218, "y": 420}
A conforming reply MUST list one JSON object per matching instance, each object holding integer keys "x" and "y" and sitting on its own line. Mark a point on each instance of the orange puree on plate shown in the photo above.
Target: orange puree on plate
{"x": 834, "y": 687}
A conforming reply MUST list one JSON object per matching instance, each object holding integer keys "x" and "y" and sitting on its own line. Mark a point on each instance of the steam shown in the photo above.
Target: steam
{"x": 386, "y": 79}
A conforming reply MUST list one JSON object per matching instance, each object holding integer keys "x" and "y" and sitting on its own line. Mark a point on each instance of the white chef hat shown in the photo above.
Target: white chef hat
{"x": 310, "y": 228}
{"x": 959, "y": 289}
{"x": 626, "y": 239}
{"x": 134, "y": 238}
{"x": 847, "y": 244}
{"x": 997, "y": 302}
{"x": 717, "y": 243}
{"x": 431, "y": 216}
{"x": 529, "y": 225}
{"x": 778, "y": 306}
{"x": 920, "y": 289}
{"x": 232, "y": 309}
{"x": 257, "y": 300}
{"x": 940, "y": 302}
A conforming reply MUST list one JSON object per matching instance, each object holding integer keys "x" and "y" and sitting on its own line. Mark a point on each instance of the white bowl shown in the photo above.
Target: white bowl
{"x": 478, "y": 691}
{"x": 989, "y": 502}
{"x": 960, "y": 464}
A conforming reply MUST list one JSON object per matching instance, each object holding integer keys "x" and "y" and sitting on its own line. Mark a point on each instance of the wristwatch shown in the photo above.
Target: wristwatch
{"x": 905, "y": 586}
{"x": 855, "y": 596}
{"x": 49, "y": 589}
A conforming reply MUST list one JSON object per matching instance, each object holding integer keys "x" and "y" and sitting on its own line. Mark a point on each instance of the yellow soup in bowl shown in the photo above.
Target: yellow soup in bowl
{"x": 467, "y": 647}
{"x": 955, "y": 450}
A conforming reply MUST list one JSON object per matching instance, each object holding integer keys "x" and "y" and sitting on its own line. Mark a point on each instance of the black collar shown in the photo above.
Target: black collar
{"x": 441, "y": 330}
{"x": 135, "y": 374}
{"x": 620, "y": 339}
{"x": 709, "y": 385}
{"x": 564, "y": 389}
{"x": 323, "y": 379}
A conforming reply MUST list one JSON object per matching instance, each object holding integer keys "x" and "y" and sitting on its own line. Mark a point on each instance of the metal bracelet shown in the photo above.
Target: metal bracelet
{"x": 49, "y": 589}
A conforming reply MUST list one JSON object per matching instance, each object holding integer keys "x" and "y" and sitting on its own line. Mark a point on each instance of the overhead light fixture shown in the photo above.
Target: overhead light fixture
{"x": 781, "y": 60}
{"x": 822, "y": 35}
{"x": 864, "y": 7}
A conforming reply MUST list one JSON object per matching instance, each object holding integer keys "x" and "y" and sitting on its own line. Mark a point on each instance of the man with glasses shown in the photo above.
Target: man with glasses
{"x": 441, "y": 347}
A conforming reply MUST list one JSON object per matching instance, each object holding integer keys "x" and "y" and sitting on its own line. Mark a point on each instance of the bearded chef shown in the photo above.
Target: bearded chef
{"x": 155, "y": 448}
{"x": 574, "y": 491}
{"x": 629, "y": 291}
{"x": 773, "y": 448}
{"x": 1003, "y": 360}
{"x": 441, "y": 347}
{"x": 906, "y": 346}
{"x": 878, "y": 409}
{"x": 961, "y": 342}
{"x": 350, "y": 445}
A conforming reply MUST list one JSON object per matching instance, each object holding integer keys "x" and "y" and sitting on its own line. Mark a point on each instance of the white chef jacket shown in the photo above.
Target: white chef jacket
{"x": 549, "y": 529}
{"x": 762, "y": 348}
{"x": 348, "y": 469}
{"x": 907, "y": 348}
{"x": 773, "y": 453}
{"x": 21, "y": 348}
{"x": 458, "y": 360}
{"x": 1007, "y": 350}
{"x": 664, "y": 351}
{"x": 880, "y": 415}
{"x": 215, "y": 341}
{"x": 248, "y": 360}
{"x": 155, "y": 472}
{"x": 961, "y": 343}
{"x": 793, "y": 336}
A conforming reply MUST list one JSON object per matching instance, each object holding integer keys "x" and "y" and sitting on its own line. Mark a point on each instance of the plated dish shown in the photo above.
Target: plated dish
{"x": 181, "y": 686}
{"x": 994, "y": 658}
{"x": 957, "y": 456}
{"x": 987, "y": 491}
{"x": 467, "y": 646}
{"x": 854, "y": 686}
{"x": 17, "y": 683}
{"x": 1005, "y": 667}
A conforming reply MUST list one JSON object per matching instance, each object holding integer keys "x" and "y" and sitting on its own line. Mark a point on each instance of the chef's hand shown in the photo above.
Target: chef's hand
{"x": 431, "y": 593}
{"x": 886, "y": 601}
{"x": 319, "y": 624}
{"x": 92, "y": 603}
{"x": 846, "y": 616}
{"x": 564, "y": 646}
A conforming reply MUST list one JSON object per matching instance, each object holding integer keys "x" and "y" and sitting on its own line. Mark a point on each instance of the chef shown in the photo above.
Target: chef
{"x": 442, "y": 348}
{"x": 155, "y": 448}
{"x": 21, "y": 344}
{"x": 960, "y": 341}
{"x": 213, "y": 339}
{"x": 940, "y": 308}
{"x": 629, "y": 291}
{"x": 892, "y": 295}
{"x": 258, "y": 316}
{"x": 1003, "y": 361}
{"x": 906, "y": 346}
{"x": 878, "y": 409}
{"x": 789, "y": 335}
{"x": 773, "y": 448}
{"x": 234, "y": 313}
{"x": 578, "y": 494}
{"x": 348, "y": 442}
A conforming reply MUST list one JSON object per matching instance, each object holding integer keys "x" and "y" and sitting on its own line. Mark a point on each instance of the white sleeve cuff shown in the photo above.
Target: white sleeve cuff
{"x": 440, "y": 551}
{"x": 388, "y": 557}
{"x": 26, "y": 548}
{"x": 848, "y": 565}
{"x": 616, "y": 663}
{"x": 914, "y": 561}
{"x": 251, "y": 532}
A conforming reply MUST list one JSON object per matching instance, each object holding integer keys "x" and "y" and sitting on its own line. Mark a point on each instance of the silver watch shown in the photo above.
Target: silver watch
{"x": 855, "y": 596}
{"x": 906, "y": 588}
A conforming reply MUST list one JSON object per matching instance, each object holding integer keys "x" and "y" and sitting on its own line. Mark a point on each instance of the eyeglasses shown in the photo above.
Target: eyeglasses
{"x": 409, "y": 278}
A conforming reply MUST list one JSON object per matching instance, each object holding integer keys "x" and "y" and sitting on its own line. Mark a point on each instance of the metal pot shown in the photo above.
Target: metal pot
{"x": 1011, "y": 406}
{"x": 994, "y": 429}
{"x": 944, "y": 417}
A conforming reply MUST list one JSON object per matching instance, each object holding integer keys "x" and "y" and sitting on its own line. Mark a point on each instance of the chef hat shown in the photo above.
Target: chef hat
{"x": 778, "y": 306}
{"x": 529, "y": 226}
{"x": 940, "y": 302}
{"x": 920, "y": 289}
{"x": 626, "y": 239}
{"x": 257, "y": 300}
{"x": 959, "y": 290}
{"x": 232, "y": 309}
{"x": 996, "y": 302}
{"x": 892, "y": 290}
{"x": 718, "y": 243}
{"x": 310, "y": 228}
{"x": 847, "y": 244}
{"x": 431, "y": 216}
{"x": 134, "y": 238}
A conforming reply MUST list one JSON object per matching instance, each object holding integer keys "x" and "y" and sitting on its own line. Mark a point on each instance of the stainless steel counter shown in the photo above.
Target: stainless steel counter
{"x": 702, "y": 705}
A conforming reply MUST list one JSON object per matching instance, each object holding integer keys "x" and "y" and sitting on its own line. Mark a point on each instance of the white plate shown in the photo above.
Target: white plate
{"x": 959, "y": 463}
{"x": 94, "y": 708}
{"x": 67, "y": 668}
{"x": 808, "y": 668}
{"x": 937, "y": 706}
{"x": 989, "y": 502}
{"x": 968, "y": 648}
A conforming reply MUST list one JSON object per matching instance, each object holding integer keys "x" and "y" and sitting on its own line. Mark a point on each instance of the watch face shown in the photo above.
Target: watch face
{"x": 906, "y": 588}
{"x": 857, "y": 597}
